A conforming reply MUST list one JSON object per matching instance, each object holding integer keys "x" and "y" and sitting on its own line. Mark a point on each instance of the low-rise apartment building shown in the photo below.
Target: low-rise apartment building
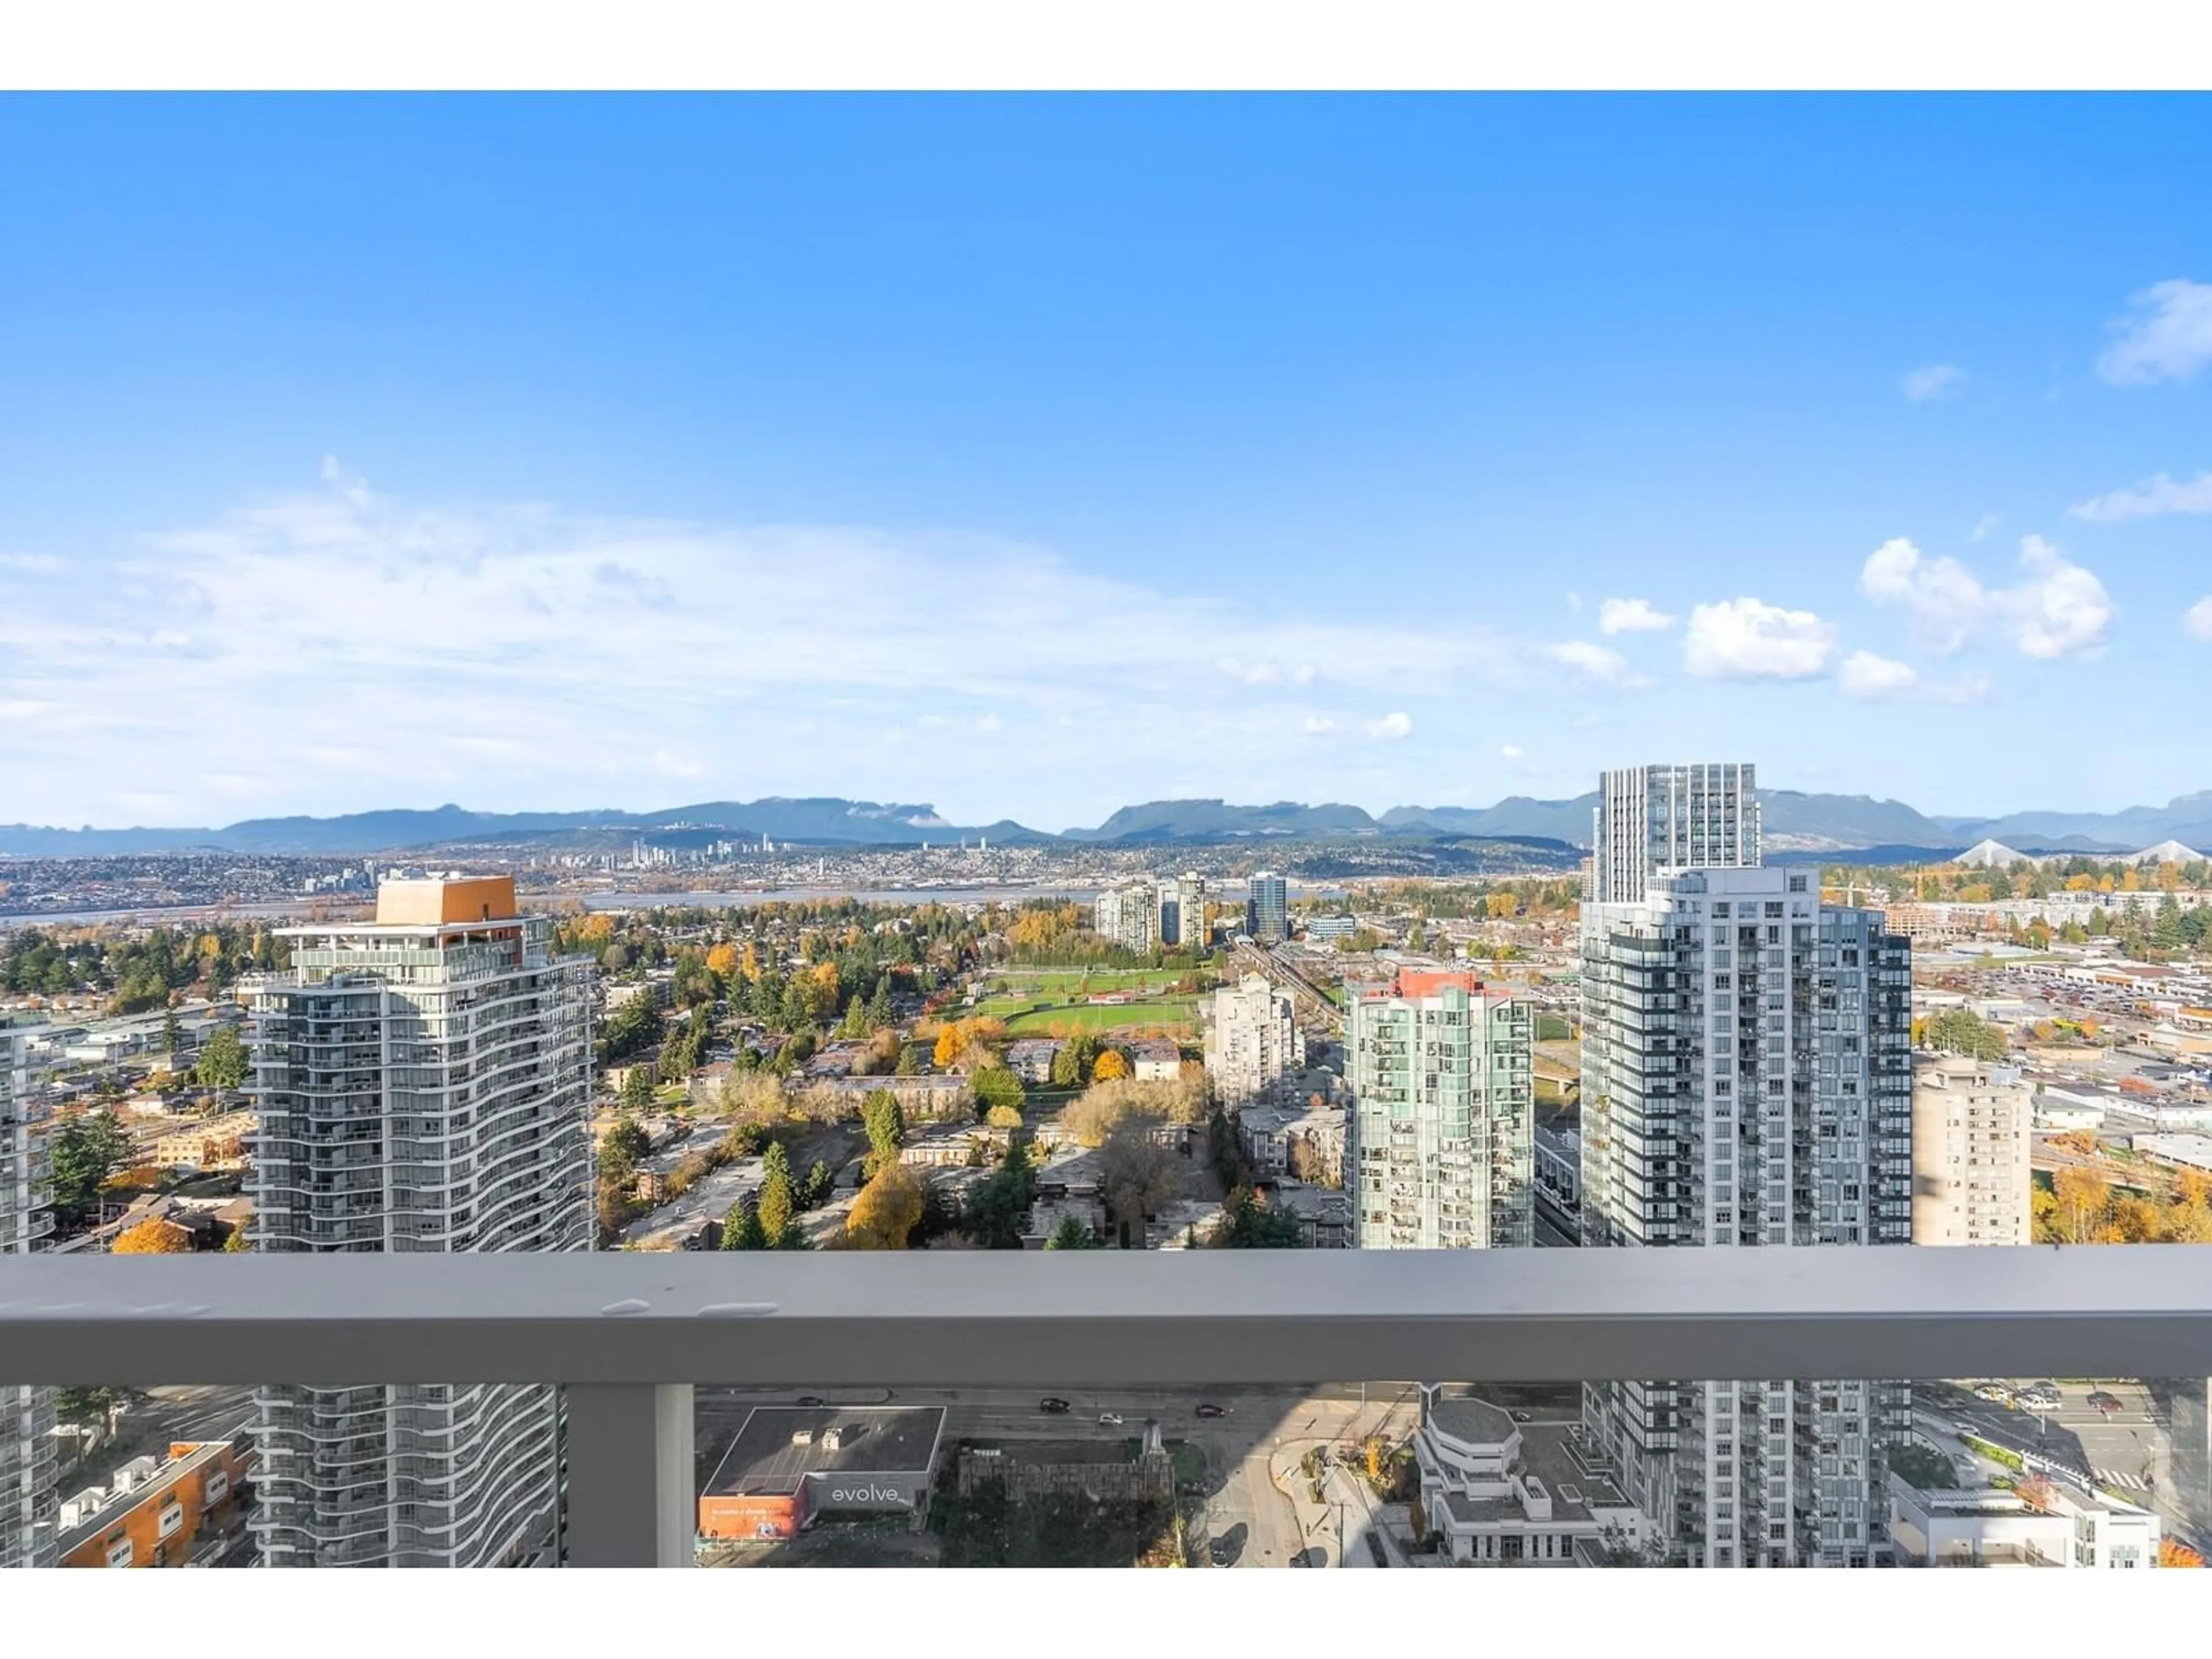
{"x": 2040, "y": 1523}
{"x": 1501, "y": 1494}
{"x": 156, "y": 1511}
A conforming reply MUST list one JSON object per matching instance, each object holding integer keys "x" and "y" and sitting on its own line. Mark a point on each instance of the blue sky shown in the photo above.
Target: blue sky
{"x": 1029, "y": 456}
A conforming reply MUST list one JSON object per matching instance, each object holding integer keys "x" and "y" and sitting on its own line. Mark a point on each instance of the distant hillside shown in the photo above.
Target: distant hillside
{"x": 1788, "y": 815}
{"x": 822, "y": 822}
{"x": 1798, "y": 825}
{"x": 2185, "y": 819}
{"x": 1216, "y": 821}
{"x": 1513, "y": 818}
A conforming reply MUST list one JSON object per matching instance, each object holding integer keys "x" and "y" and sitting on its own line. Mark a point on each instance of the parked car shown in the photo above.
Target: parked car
{"x": 2106, "y": 1403}
{"x": 1208, "y": 1408}
{"x": 1993, "y": 1391}
{"x": 1111, "y": 1420}
{"x": 2041, "y": 1397}
{"x": 1053, "y": 1406}
{"x": 810, "y": 1400}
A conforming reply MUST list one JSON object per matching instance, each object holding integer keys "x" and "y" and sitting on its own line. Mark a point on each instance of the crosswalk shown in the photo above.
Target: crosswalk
{"x": 2120, "y": 1480}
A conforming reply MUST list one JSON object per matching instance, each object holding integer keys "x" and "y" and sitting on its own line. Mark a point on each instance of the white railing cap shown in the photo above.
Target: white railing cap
{"x": 1107, "y": 1317}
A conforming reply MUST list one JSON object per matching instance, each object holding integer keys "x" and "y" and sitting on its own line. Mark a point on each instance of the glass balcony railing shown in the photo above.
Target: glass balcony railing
{"x": 1507, "y": 1408}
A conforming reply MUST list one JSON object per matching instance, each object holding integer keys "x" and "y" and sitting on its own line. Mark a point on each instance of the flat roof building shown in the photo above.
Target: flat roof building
{"x": 790, "y": 1463}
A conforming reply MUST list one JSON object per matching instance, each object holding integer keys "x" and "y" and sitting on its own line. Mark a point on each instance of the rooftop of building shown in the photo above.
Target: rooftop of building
{"x": 1475, "y": 1422}
{"x": 764, "y": 1459}
{"x": 1057, "y": 1451}
{"x": 153, "y": 1479}
{"x": 413, "y": 905}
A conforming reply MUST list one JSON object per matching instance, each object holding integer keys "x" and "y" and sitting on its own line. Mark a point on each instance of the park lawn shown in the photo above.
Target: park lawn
{"x": 1008, "y": 1007}
{"x": 1071, "y": 981}
{"x": 1089, "y": 1016}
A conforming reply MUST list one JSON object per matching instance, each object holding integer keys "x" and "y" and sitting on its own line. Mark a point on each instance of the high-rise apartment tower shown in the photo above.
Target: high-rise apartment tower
{"x": 1658, "y": 817}
{"x": 1746, "y": 1082}
{"x": 1252, "y": 1046}
{"x": 1442, "y": 1114}
{"x": 1269, "y": 909}
{"x": 27, "y": 1459}
{"x": 1972, "y": 1128}
{"x": 423, "y": 1082}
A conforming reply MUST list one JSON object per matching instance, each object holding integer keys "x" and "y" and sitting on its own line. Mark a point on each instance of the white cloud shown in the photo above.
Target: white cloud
{"x": 987, "y": 723}
{"x": 1945, "y": 599}
{"x": 2148, "y": 500}
{"x": 1575, "y": 603}
{"x": 1983, "y": 526}
{"x": 350, "y": 486}
{"x": 1598, "y": 663}
{"x": 377, "y": 644}
{"x": 2197, "y": 619}
{"x": 2060, "y": 610}
{"x": 1397, "y": 724}
{"x": 1511, "y": 751}
{"x": 1935, "y": 381}
{"x": 1631, "y": 617}
{"x": 2167, "y": 336}
{"x": 33, "y": 564}
{"x": 1748, "y": 640}
{"x": 1865, "y": 675}
{"x": 1316, "y": 724}
{"x": 1881, "y": 679}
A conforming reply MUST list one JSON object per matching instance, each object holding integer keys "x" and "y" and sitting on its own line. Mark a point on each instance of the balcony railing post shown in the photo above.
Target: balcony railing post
{"x": 628, "y": 1499}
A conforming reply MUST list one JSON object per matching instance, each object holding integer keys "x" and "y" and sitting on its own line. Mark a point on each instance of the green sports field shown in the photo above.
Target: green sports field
{"x": 1086, "y": 1016}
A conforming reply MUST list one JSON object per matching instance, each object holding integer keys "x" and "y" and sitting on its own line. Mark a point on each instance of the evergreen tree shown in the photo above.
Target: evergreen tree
{"x": 1070, "y": 1235}
{"x": 775, "y": 1209}
{"x": 742, "y": 1229}
{"x": 776, "y": 1160}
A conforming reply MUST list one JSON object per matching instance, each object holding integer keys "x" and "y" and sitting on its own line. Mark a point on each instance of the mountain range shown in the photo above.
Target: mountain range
{"x": 1795, "y": 822}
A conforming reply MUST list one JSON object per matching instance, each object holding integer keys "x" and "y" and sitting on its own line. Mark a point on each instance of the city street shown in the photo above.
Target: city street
{"x": 2126, "y": 1452}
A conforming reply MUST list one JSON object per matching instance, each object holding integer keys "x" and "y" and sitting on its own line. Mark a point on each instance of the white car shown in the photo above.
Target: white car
{"x": 1111, "y": 1420}
{"x": 1993, "y": 1391}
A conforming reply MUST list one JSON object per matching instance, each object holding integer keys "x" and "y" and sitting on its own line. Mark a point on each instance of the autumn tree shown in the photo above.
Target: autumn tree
{"x": 154, "y": 1237}
{"x": 951, "y": 1042}
{"x": 2082, "y": 1195}
{"x": 1111, "y": 1063}
{"x": 886, "y": 1211}
{"x": 2173, "y": 1552}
